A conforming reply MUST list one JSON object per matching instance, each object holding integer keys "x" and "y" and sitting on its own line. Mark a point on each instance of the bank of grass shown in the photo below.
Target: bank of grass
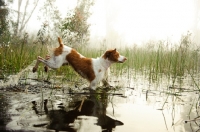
{"x": 160, "y": 59}
{"x": 153, "y": 59}
{"x": 15, "y": 55}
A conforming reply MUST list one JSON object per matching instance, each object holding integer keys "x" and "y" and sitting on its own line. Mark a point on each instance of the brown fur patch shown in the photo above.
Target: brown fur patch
{"x": 83, "y": 66}
{"x": 99, "y": 70}
{"x": 111, "y": 55}
{"x": 58, "y": 51}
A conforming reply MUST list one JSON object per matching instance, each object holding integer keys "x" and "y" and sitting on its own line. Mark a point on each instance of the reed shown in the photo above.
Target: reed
{"x": 158, "y": 58}
{"x": 17, "y": 54}
{"x": 154, "y": 59}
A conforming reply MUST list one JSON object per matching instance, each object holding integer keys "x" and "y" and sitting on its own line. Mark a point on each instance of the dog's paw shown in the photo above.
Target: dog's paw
{"x": 47, "y": 57}
{"x": 34, "y": 69}
{"x": 46, "y": 68}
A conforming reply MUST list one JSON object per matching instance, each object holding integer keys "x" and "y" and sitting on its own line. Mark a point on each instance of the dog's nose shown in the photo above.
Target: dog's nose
{"x": 122, "y": 59}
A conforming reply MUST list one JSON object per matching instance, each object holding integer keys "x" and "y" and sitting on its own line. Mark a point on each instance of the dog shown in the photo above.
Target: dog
{"x": 89, "y": 68}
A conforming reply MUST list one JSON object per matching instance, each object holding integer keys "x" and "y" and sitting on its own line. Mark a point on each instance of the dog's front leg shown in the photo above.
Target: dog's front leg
{"x": 39, "y": 60}
{"x": 93, "y": 84}
{"x": 105, "y": 83}
{"x": 105, "y": 78}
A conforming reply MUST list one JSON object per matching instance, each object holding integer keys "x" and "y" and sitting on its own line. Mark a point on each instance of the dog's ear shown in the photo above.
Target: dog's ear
{"x": 109, "y": 53}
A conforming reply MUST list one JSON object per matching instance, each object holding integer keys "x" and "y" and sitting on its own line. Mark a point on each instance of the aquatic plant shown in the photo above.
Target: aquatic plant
{"x": 16, "y": 54}
{"x": 154, "y": 60}
{"x": 162, "y": 58}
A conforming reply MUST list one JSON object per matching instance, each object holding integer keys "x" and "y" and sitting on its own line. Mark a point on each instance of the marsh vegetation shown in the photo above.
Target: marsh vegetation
{"x": 161, "y": 74}
{"x": 152, "y": 60}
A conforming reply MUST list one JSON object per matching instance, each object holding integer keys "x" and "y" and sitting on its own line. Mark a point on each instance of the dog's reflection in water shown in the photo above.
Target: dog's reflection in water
{"x": 86, "y": 124}
{"x": 88, "y": 115}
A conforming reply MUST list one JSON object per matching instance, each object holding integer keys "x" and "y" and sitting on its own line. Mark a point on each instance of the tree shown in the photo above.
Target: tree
{"x": 23, "y": 16}
{"x": 3, "y": 17}
{"x": 75, "y": 27}
{"x": 5, "y": 34}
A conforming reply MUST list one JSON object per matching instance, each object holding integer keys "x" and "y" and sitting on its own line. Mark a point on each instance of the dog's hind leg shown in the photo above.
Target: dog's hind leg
{"x": 53, "y": 62}
{"x": 38, "y": 62}
{"x": 36, "y": 66}
{"x": 46, "y": 67}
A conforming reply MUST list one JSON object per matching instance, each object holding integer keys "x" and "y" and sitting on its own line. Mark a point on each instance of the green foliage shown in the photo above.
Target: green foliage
{"x": 41, "y": 35}
{"x": 158, "y": 58}
{"x": 154, "y": 59}
{"x": 17, "y": 54}
{"x": 3, "y": 20}
{"x": 4, "y": 23}
{"x": 75, "y": 27}
{"x": 51, "y": 18}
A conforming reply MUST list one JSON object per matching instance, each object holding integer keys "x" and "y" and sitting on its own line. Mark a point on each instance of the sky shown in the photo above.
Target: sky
{"x": 141, "y": 20}
{"x": 132, "y": 21}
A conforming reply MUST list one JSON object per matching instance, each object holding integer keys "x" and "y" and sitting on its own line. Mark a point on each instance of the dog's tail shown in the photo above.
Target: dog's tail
{"x": 60, "y": 42}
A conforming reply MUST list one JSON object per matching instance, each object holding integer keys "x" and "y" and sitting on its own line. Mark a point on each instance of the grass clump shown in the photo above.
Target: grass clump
{"x": 16, "y": 54}
{"x": 153, "y": 59}
{"x": 162, "y": 58}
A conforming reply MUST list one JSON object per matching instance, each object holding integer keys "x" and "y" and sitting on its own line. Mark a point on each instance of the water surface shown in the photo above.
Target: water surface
{"x": 136, "y": 104}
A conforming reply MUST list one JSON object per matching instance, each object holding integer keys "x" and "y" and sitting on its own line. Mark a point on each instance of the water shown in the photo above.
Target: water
{"x": 137, "y": 106}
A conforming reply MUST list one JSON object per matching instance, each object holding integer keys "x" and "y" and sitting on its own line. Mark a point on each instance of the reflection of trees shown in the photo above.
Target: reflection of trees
{"x": 4, "y": 116}
{"x": 193, "y": 121}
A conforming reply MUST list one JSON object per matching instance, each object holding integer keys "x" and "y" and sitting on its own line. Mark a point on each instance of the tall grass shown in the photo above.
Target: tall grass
{"x": 153, "y": 59}
{"x": 16, "y": 54}
{"x": 158, "y": 58}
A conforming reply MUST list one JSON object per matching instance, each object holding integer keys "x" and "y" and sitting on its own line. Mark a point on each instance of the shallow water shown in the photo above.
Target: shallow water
{"x": 138, "y": 106}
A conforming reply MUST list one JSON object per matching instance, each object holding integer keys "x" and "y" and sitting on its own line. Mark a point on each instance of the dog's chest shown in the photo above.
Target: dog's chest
{"x": 98, "y": 68}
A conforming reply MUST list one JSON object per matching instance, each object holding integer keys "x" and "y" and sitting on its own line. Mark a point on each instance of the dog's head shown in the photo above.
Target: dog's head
{"x": 114, "y": 56}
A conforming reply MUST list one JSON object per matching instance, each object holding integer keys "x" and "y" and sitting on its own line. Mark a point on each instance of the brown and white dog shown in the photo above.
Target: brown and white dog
{"x": 91, "y": 69}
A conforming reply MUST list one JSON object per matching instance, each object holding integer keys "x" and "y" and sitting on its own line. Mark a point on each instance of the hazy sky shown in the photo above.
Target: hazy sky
{"x": 138, "y": 20}
{"x": 133, "y": 21}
